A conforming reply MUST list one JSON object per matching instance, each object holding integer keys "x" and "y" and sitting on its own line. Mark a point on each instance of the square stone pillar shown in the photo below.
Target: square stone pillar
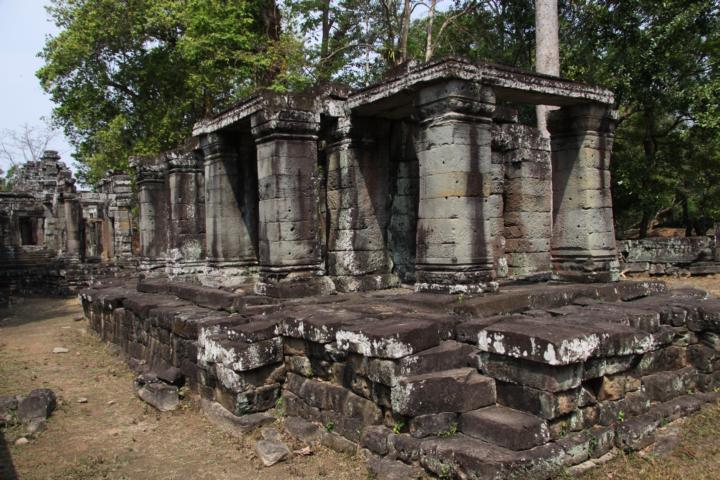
{"x": 230, "y": 210}
{"x": 153, "y": 199}
{"x": 289, "y": 181}
{"x": 73, "y": 227}
{"x": 359, "y": 207}
{"x": 460, "y": 214}
{"x": 525, "y": 154}
{"x": 583, "y": 241}
{"x": 186, "y": 255}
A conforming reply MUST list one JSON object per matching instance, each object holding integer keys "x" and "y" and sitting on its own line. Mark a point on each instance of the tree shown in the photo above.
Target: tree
{"x": 25, "y": 144}
{"x": 661, "y": 60}
{"x": 130, "y": 78}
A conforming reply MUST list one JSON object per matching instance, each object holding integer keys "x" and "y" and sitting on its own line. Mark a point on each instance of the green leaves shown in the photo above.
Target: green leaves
{"x": 132, "y": 77}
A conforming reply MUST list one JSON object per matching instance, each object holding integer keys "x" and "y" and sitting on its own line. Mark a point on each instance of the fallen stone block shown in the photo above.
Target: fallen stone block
{"x": 233, "y": 424}
{"x": 301, "y": 429}
{"x": 160, "y": 395}
{"x": 271, "y": 452}
{"x": 39, "y": 403}
{"x": 505, "y": 427}
{"x": 458, "y": 390}
{"x": 386, "y": 469}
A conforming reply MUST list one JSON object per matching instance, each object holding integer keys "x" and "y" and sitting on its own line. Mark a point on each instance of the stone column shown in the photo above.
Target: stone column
{"x": 460, "y": 220}
{"x": 153, "y": 199}
{"x": 717, "y": 242}
{"x": 230, "y": 210}
{"x": 73, "y": 226}
{"x": 527, "y": 198}
{"x": 358, "y": 201}
{"x": 187, "y": 214}
{"x": 288, "y": 178}
{"x": 583, "y": 241}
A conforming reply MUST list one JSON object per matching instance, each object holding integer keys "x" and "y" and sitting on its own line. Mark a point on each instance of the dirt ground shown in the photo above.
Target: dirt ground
{"x": 116, "y": 436}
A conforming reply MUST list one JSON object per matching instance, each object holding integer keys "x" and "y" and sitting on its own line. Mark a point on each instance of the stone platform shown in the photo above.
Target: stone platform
{"x": 515, "y": 385}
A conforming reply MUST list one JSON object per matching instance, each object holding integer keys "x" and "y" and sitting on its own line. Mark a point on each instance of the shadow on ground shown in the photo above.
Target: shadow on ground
{"x": 7, "y": 469}
{"x": 26, "y": 310}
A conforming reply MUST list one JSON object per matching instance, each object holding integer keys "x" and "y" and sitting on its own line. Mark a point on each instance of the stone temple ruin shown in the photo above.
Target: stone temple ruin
{"x": 409, "y": 270}
{"x": 54, "y": 238}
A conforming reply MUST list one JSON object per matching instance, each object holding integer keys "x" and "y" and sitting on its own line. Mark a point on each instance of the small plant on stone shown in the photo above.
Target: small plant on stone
{"x": 664, "y": 422}
{"x": 329, "y": 426}
{"x": 461, "y": 298}
{"x": 451, "y": 430}
{"x": 398, "y": 426}
{"x": 280, "y": 408}
{"x": 621, "y": 416}
{"x": 593, "y": 444}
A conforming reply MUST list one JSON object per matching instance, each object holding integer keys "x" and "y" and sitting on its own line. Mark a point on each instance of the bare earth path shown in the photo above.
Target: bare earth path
{"x": 115, "y": 435}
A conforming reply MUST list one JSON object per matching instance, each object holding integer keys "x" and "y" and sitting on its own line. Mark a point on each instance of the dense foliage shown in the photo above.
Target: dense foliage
{"x": 131, "y": 77}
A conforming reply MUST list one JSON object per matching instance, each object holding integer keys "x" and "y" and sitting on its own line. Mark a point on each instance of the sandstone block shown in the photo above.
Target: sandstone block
{"x": 458, "y": 390}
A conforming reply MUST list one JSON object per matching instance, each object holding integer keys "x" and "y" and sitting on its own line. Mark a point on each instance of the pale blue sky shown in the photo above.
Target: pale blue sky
{"x": 24, "y": 24}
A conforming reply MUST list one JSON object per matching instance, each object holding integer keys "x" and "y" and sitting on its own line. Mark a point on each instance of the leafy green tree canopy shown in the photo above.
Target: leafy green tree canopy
{"x": 131, "y": 77}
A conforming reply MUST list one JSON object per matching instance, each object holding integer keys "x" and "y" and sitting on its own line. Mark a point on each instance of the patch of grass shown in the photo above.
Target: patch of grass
{"x": 451, "y": 430}
{"x": 696, "y": 457}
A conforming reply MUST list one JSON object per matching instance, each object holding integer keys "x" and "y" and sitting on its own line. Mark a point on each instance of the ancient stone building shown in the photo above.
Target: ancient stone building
{"x": 55, "y": 238}
{"x": 426, "y": 178}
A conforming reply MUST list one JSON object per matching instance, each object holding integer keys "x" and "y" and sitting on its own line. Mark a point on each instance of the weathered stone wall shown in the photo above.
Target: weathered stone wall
{"x": 669, "y": 256}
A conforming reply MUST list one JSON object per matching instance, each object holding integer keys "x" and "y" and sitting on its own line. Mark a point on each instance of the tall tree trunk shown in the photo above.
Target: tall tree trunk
{"x": 547, "y": 49}
{"x": 325, "y": 40}
{"x": 404, "y": 32}
{"x": 429, "y": 47}
{"x": 650, "y": 149}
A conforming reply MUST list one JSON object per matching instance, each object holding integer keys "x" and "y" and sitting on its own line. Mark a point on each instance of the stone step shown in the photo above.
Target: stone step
{"x": 446, "y": 356}
{"x": 458, "y": 390}
{"x": 562, "y": 340}
{"x": 505, "y": 427}
{"x": 393, "y": 339}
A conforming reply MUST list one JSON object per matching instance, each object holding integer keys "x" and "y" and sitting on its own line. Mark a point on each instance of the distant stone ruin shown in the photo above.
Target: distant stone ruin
{"x": 506, "y": 347}
{"x": 54, "y": 238}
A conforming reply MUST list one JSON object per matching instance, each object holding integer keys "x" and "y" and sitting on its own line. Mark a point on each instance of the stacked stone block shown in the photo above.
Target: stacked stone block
{"x": 583, "y": 244}
{"x": 154, "y": 214}
{"x": 460, "y": 200}
{"x": 525, "y": 154}
{"x": 289, "y": 185}
{"x": 187, "y": 214}
{"x": 358, "y": 184}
